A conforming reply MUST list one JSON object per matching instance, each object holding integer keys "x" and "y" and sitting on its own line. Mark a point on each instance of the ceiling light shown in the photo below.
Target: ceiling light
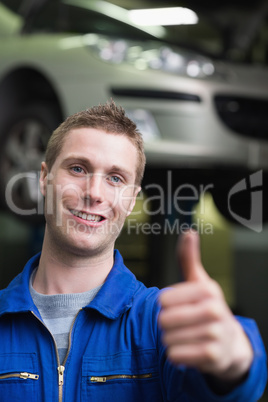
{"x": 163, "y": 16}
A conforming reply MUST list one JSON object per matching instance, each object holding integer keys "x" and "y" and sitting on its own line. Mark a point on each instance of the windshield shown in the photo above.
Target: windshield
{"x": 72, "y": 17}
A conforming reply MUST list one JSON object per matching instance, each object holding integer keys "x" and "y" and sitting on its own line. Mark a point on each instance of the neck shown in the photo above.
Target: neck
{"x": 66, "y": 272}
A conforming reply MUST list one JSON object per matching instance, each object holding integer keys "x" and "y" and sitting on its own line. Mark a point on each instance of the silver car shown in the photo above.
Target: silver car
{"x": 203, "y": 119}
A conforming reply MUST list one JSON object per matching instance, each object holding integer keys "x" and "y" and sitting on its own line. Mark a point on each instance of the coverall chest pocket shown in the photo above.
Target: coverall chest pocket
{"x": 18, "y": 377}
{"x": 127, "y": 376}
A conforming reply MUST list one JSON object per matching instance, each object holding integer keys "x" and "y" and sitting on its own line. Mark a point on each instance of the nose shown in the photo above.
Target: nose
{"x": 94, "y": 188}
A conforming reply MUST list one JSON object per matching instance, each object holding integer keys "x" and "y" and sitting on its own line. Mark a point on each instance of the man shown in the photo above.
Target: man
{"x": 76, "y": 325}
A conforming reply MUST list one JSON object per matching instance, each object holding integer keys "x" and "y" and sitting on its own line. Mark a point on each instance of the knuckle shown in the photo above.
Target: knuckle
{"x": 166, "y": 338}
{"x": 213, "y": 311}
{"x": 214, "y": 332}
{"x": 214, "y": 289}
{"x": 172, "y": 353}
{"x": 211, "y": 353}
{"x": 162, "y": 320}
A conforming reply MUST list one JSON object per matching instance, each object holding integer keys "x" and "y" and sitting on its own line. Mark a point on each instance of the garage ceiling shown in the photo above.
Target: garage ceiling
{"x": 233, "y": 29}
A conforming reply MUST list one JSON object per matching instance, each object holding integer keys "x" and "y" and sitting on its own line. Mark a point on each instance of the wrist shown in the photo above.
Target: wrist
{"x": 242, "y": 358}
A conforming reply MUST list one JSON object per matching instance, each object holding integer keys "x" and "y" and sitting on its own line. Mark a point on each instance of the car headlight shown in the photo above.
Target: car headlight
{"x": 150, "y": 55}
{"x": 145, "y": 123}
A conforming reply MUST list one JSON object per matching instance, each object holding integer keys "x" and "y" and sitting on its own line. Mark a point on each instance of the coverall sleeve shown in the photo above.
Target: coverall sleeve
{"x": 186, "y": 384}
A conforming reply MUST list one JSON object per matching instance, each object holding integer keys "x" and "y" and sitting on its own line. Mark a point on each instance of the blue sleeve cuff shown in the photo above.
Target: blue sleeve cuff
{"x": 252, "y": 388}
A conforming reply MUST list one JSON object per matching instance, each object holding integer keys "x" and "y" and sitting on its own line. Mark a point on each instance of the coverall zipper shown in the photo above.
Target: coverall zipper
{"x": 119, "y": 376}
{"x": 23, "y": 375}
{"x": 60, "y": 367}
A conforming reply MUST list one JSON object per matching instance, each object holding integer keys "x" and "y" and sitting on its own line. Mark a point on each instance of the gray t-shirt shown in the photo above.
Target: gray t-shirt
{"x": 59, "y": 311}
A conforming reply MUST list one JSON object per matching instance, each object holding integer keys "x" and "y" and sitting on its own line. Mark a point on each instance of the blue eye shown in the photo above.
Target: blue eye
{"x": 77, "y": 169}
{"x": 115, "y": 179}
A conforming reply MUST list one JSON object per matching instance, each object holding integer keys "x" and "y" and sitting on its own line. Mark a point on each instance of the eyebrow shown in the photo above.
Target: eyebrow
{"x": 73, "y": 158}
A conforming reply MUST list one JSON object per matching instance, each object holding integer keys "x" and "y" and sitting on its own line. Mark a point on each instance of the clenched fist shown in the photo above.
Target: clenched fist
{"x": 199, "y": 329}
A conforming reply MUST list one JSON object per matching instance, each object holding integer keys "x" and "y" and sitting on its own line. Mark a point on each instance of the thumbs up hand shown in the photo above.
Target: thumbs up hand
{"x": 199, "y": 329}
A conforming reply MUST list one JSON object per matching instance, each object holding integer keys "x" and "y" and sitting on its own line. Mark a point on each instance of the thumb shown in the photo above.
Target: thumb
{"x": 188, "y": 252}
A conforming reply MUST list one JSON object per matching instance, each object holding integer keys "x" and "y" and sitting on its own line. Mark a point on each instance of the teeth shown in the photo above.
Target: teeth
{"x": 88, "y": 217}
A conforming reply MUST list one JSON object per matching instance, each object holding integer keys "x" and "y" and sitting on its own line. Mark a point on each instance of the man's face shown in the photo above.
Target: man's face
{"x": 90, "y": 190}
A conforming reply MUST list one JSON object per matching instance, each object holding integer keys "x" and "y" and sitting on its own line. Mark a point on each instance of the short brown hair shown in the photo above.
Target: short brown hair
{"x": 108, "y": 117}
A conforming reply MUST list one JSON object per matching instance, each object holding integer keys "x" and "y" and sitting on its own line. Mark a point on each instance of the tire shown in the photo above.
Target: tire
{"x": 24, "y": 136}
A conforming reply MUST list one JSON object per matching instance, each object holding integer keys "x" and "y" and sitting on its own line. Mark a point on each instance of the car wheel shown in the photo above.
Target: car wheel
{"x": 24, "y": 136}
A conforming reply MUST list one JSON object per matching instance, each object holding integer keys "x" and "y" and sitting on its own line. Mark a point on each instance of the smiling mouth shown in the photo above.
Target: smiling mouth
{"x": 87, "y": 217}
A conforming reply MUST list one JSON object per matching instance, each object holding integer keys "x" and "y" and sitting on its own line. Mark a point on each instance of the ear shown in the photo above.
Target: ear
{"x": 137, "y": 189}
{"x": 43, "y": 178}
